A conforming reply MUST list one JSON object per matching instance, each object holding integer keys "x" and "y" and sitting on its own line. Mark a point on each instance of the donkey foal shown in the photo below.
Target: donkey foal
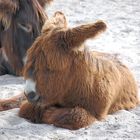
{"x": 73, "y": 87}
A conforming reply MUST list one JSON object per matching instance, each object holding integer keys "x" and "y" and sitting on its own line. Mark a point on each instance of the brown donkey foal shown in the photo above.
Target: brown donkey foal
{"x": 68, "y": 86}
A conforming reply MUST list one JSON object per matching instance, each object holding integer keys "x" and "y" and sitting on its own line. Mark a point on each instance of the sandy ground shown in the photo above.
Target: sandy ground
{"x": 122, "y": 38}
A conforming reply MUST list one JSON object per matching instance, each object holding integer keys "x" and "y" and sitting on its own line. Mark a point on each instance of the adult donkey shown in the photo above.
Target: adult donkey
{"x": 20, "y": 23}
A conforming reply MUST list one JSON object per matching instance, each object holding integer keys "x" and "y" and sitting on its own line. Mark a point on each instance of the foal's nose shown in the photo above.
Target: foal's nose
{"x": 32, "y": 97}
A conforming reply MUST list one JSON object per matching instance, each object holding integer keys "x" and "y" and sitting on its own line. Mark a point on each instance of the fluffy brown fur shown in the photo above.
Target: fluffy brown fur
{"x": 76, "y": 87}
{"x": 20, "y": 23}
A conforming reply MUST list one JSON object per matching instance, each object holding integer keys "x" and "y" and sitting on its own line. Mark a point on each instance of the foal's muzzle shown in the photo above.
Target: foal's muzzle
{"x": 32, "y": 97}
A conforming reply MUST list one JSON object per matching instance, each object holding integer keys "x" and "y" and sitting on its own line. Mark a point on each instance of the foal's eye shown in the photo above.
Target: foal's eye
{"x": 26, "y": 27}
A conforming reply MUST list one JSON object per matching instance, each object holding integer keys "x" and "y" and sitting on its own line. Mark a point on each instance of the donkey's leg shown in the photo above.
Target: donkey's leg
{"x": 5, "y": 66}
{"x": 14, "y": 102}
{"x": 70, "y": 118}
{"x": 3, "y": 69}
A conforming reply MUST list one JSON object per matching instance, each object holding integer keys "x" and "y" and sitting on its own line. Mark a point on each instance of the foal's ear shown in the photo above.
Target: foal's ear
{"x": 58, "y": 20}
{"x": 76, "y": 36}
{"x": 44, "y": 2}
{"x": 7, "y": 9}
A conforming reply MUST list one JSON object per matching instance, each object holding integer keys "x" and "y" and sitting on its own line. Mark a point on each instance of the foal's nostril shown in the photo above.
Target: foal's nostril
{"x": 32, "y": 97}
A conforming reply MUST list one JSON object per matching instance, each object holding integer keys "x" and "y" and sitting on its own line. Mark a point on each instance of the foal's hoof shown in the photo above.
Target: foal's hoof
{"x": 3, "y": 106}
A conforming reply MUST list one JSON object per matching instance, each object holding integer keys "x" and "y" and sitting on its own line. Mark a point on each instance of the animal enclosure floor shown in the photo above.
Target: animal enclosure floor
{"x": 122, "y": 39}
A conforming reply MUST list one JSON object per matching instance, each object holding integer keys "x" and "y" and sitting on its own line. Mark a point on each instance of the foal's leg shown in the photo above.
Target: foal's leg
{"x": 31, "y": 112}
{"x": 70, "y": 118}
{"x": 14, "y": 102}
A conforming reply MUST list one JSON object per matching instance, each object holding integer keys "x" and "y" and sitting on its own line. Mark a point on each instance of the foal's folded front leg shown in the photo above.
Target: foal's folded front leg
{"x": 70, "y": 118}
{"x": 31, "y": 112}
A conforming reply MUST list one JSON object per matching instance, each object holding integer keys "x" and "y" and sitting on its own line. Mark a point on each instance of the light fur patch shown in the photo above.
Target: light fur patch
{"x": 4, "y": 55}
{"x": 30, "y": 86}
{"x": 24, "y": 60}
